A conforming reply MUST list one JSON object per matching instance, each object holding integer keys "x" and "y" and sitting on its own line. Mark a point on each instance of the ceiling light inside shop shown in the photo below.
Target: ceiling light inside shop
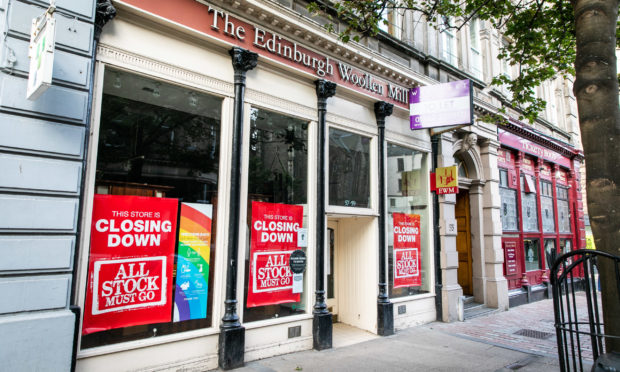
{"x": 193, "y": 100}
{"x": 117, "y": 81}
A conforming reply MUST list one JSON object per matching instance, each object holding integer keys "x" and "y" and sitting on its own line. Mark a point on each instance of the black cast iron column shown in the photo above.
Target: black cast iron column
{"x": 322, "y": 322}
{"x": 232, "y": 334}
{"x": 385, "y": 309}
{"x": 438, "y": 279}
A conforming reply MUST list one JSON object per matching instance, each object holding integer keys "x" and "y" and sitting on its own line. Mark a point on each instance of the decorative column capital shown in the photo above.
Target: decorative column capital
{"x": 383, "y": 110}
{"x": 325, "y": 89}
{"x": 243, "y": 60}
{"x": 105, "y": 12}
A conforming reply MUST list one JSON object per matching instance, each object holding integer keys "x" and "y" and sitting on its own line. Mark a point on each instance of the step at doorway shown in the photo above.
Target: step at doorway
{"x": 345, "y": 335}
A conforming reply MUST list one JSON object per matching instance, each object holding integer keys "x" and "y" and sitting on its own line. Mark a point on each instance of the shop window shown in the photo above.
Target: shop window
{"x": 549, "y": 247}
{"x": 566, "y": 246}
{"x": 529, "y": 210}
{"x": 349, "y": 169}
{"x": 508, "y": 196}
{"x": 531, "y": 248}
{"x": 563, "y": 210}
{"x": 154, "y": 212}
{"x": 546, "y": 203}
{"x": 409, "y": 254}
{"x": 277, "y": 200}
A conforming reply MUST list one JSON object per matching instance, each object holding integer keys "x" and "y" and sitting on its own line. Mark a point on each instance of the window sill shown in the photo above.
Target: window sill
{"x": 422, "y": 296}
{"x": 334, "y": 210}
{"x": 147, "y": 342}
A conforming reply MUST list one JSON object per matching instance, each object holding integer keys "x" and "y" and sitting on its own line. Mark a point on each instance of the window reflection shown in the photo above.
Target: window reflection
{"x": 278, "y": 173}
{"x": 349, "y": 169}
{"x": 531, "y": 248}
{"x": 161, "y": 140}
{"x": 407, "y": 191}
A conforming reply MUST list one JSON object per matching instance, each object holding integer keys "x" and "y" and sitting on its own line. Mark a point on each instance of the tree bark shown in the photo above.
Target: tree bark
{"x": 596, "y": 90}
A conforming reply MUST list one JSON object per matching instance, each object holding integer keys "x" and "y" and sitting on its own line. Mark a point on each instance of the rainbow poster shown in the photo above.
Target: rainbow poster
{"x": 192, "y": 276}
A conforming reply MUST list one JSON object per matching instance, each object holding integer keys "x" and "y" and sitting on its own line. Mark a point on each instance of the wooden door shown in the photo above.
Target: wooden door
{"x": 463, "y": 242}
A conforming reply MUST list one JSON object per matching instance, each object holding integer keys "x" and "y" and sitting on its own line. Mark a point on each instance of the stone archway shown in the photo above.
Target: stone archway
{"x": 480, "y": 158}
{"x": 470, "y": 239}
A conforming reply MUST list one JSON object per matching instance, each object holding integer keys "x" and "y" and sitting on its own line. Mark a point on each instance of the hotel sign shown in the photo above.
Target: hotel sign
{"x": 200, "y": 16}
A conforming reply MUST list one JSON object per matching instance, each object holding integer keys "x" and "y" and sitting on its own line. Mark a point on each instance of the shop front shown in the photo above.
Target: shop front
{"x": 232, "y": 207}
{"x": 541, "y": 208}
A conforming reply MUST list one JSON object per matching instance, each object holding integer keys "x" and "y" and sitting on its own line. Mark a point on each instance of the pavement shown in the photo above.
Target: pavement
{"x": 501, "y": 341}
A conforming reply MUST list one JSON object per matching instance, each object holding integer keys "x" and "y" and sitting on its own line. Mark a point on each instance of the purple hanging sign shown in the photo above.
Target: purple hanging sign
{"x": 441, "y": 105}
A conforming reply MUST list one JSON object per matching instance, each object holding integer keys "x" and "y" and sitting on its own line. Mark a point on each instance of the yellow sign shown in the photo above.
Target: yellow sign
{"x": 590, "y": 241}
{"x": 447, "y": 180}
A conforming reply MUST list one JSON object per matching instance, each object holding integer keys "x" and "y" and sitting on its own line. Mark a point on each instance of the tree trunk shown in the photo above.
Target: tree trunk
{"x": 596, "y": 90}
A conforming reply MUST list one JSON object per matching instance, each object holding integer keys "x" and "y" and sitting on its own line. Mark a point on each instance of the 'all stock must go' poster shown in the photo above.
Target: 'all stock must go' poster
{"x": 406, "y": 250}
{"x": 130, "y": 264}
{"x": 273, "y": 239}
{"x": 192, "y": 278}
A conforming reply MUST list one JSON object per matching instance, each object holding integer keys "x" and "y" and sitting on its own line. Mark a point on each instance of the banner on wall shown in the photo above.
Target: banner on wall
{"x": 192, "y": 276}
{"x": 406, "y": 250}
{"x": 273, "y": 239}
{"x": 130, "y": 263}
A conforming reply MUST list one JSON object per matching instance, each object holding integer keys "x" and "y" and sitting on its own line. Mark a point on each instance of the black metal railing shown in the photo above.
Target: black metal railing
{"x": 577, "y": 305}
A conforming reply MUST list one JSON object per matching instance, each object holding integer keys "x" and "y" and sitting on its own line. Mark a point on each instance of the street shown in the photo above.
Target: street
{"x": 522, "y": 338}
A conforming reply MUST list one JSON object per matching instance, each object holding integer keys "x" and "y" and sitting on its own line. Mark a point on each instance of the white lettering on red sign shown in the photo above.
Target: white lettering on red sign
{"x": 128, "y": 284}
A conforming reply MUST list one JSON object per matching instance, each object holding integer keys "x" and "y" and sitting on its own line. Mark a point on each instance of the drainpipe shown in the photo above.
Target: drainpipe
{"x": 104, "y": 13}
{"x": 438, "y": 280}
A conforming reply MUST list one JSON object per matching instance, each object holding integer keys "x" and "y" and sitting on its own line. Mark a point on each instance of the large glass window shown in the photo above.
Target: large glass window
{"x": 154, "y": 216}
{"x": 546, "y": 203}
{"x": 278, "y": 175}
{"x": 508, "y": 213}
{"x": 409, "y": 254}
{"x": 531, "y": 248}
{"x": 563, "y": 210}
{"x": 529, "y": 210}
{"x": 349, "y": 169}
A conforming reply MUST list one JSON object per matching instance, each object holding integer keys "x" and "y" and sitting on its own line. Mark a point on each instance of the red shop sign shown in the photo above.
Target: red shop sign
{"x": 406, "y": 250}
{"x": 130, "y": 264}
{"x": 274, "y": 238}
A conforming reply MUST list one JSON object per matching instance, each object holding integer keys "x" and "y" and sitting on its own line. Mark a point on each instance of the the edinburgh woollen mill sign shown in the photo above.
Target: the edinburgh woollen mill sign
{"x": 219, "y": 24}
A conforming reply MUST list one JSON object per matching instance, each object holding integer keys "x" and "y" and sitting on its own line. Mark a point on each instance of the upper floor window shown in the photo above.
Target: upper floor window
{"x": 390, "y": 21}
{"x": 552, "y": 108}
{"x": 449, "y": 51}
{"x": 475, "y": 48}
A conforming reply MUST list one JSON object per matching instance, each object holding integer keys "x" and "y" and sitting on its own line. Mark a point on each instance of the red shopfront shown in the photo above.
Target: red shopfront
{"x": 541, "y": 204}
